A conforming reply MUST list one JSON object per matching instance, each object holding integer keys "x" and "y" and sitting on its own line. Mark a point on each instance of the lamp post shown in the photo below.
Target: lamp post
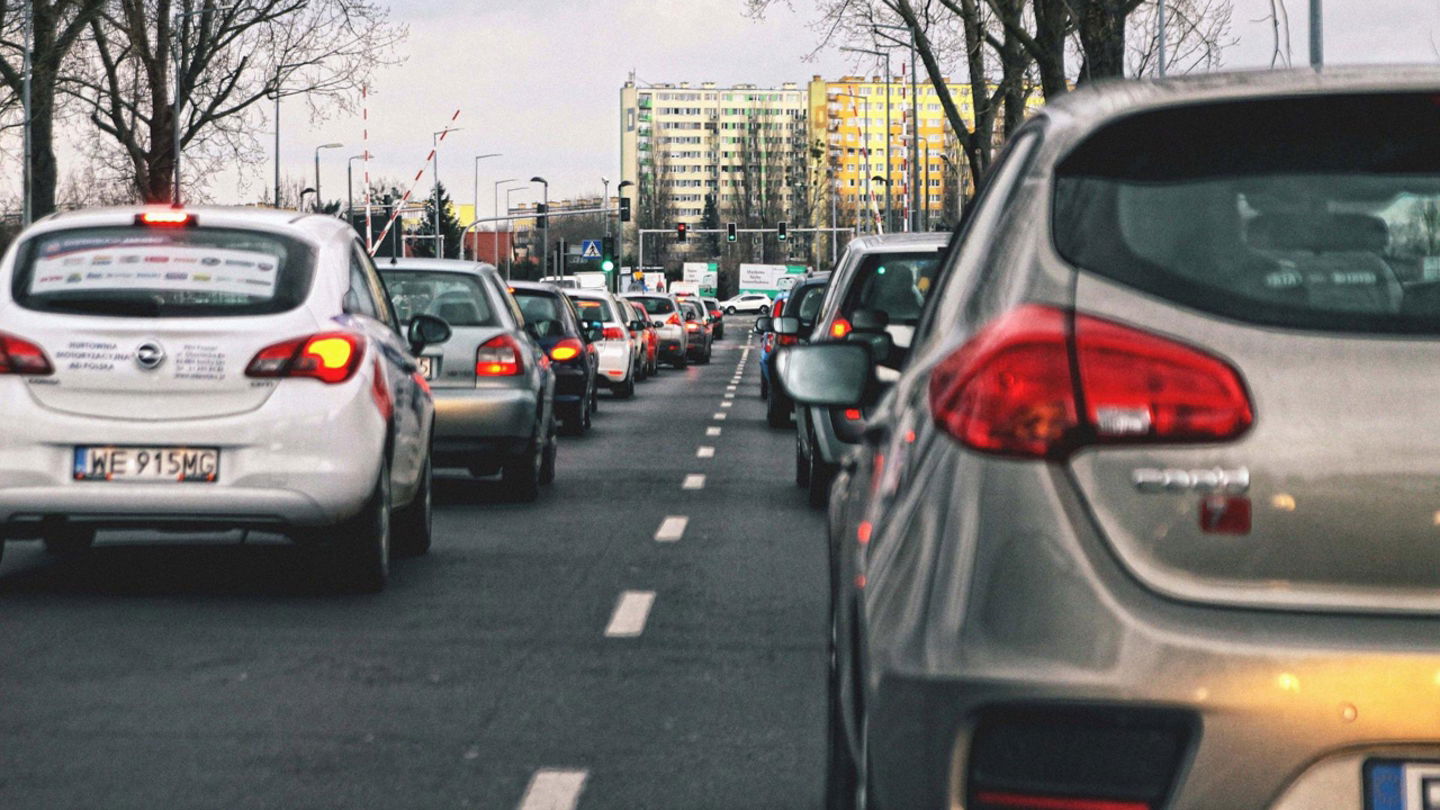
{"x": 303, "y": 192}
{"x": 476, "y": 208}
{"x": 350, "y": 185}
{"x": 510, "y": 227}
{"x": 181, "y": 55}
{"x": 889, "y": 218}
{"x": 865, "y": 152}
{"x": 545, "y": 236}
{"x": 496, "y": 211}
{"x": 605, "y": 203}
{"x": 620, "y": 192}
{"x": 877, "y": 178}
{"x": 914, "y": 114}
{"x": 435, "y": 171}
{"x": 318, "y": 198}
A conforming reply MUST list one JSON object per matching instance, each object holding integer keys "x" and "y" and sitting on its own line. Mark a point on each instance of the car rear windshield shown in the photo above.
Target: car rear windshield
{"x": 809, "y": 297}
{"x": 543, "y": 311}
{"x": 593, "y": 309}
{"x": 455, "y": 297}
{"x": 1317, "y": 213}
{"x": 893, "y": 283}
{"x": 153, "y": 272}
{"x": 655, "y": 306}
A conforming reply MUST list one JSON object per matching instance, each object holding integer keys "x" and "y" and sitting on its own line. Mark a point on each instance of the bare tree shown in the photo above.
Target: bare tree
{"x": 229, "y": 58}
{"x": 1196, "y": 34}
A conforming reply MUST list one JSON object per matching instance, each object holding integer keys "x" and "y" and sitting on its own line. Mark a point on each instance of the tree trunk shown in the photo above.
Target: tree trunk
{"x": 1051, "y": 24}
{"x": 44, "y": 171}
{"x": 1101, "y": 25}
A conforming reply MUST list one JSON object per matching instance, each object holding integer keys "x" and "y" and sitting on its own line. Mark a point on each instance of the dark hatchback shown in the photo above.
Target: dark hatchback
{"x": 802, "y": 302}
{"x": 556, "y": 325}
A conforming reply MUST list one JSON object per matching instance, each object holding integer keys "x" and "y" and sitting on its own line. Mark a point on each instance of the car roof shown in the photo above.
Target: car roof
{"x": 318, "y": 227}
{"x": 588, "y": 292}
{"x": 899, "y": 242}
{"x": 536, "y": 286}
{"x": 447, "y": 265}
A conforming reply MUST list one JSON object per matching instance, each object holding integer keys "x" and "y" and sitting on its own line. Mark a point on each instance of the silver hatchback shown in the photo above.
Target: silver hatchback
{"x": 1151, "y": 519}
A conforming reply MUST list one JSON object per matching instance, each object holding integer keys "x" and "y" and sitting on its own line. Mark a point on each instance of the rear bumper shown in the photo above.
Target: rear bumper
{"x": 482, "y": 413}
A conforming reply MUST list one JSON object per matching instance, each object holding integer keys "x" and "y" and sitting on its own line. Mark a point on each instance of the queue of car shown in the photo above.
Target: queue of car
{"x": 1131, "y": 513}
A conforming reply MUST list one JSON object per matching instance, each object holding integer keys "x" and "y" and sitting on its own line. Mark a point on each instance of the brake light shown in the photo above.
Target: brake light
{"x": 330, "y": 357}
{"x": 789, "y": 340}
{"x": 692, "y": 326}
{"x": 673, "y": 320}
{"x": 22, "y": 357}
{"x": 567, "y": 349}
{"x": 853, "y": 414}
{"x": 777, "y": 308}
{"x": 165, "y": 218}
{"x": 717, "y": 313}
{"x": 840, "y": 328}
{"x": 498, "y": 357}
{"x": 992, "y": 800}
{"x": 1011, "y": 389}
{"x": 613, "y": 333}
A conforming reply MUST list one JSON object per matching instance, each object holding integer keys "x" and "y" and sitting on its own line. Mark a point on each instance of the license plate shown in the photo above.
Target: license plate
{"x": 1392, "y": 784}
{"x": 182, "y": 464}
{"x": 428, "y": 366}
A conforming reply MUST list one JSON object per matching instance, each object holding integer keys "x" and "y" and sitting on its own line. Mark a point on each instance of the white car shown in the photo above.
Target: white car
{"x": 617, "y": 348}
{"x": 749, "y": 302}
{"x": 211, "y": 369}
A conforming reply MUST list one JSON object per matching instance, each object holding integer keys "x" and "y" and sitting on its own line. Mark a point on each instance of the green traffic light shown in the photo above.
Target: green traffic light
{"x": 607, "y": 265}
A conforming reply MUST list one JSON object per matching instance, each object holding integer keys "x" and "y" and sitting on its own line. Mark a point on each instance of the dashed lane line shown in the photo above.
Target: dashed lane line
{"x": 719, "y": 417}
{"x": 712, "y": 431}
{"x": 727, "y": 403}
{"x": 693, "y": 481}
{"x": 704, "y": 451}
{"x": 672, "y": 528}
{"x": 631, "y": 611}
{"x": 554, "y": 789}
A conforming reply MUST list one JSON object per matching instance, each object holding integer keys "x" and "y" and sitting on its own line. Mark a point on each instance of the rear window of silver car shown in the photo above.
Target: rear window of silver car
{"x": 456, "y": 297}
{"x": 654, "y": 305}
{"x": 159, "y": 272}
{"x": 1317, "y": 213}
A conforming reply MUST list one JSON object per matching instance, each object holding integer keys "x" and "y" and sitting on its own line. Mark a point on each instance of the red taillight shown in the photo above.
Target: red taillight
{"x": 692, "y": 326}
{"x": 777, "y": 308}
{"x": 165, "y": 218}
{"x": 1011, "y": 389}
{"x": 330, "y": 357}
{"x": 715, "y": 313}
{"x": 613, "y": 333}
{"x": 840, "y": 328}
{"x": 498, "y": 357}
{"x": 22, "y": 357}
{"x": 566, "y": 349}
{"x": 993, "y": 799}
{"x": 789, "y": 340}
{"x": 854, "y": 414}
{"x": 673, "y": 320}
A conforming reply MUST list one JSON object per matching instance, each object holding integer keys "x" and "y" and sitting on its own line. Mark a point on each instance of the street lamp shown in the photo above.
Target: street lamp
{"x": 496, "y": 230}
{"x": 545, "y": 236}
{"x": 510, "y": 228}
{"x": 303, "y": 192}
{"x": 318, "y": 198}
{"x": 476, "y": 208}
{"x": 914, "y": 107}
{"x": 865, "y": 152}
{"x": 605, "y": 203}
{"x": 435, "y": 138}
{"x": 350, "y": 185}
{"x": 889, "y": 219}
{"x": 878, "y": 179}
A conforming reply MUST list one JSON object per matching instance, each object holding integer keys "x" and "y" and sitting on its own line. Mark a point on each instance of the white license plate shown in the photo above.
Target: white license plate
{"x": 428, "y": 366}
{"x": 1392, "y": 784}
{"x": 165, "y": 464}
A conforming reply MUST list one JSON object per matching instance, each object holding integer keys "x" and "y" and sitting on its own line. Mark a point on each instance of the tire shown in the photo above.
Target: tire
{"x": 683, "y": 362}
{"x": 764, "y": 310}
{"x": 360, "y": 549}
{"x": 574, "y": 422}
{"x": 641, "y": 372}
{"x": 820, "y": 474}
{"x": 626, "y": 389}
{"x": 547, "y": 460}
{"x": 777, "y": 411}
{"x": 705, "y": 360}
{"x": 68, "y": 541}
{"x": 802, "y": 465}
{"x": 521, "y": 475}
{"x": 411, "y": 527}
{"x": 729, "y": 310}
{"x": 842, "y": 775}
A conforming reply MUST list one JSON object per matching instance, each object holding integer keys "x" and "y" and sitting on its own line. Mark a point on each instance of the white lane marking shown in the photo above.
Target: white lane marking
{"x": 729, "y": 388}
{"x": 729, "y": 394}
{"x": 719, "y": 417}
{"x": 727, "y": 403}
{"x": 631, "y": 611}
{"x": 704, "y": 452}
{"x": 672, "y": 528}
{"x": 693, "y": 481}
{"x": 554, "y": 789}
{"x": 713, "y": 431}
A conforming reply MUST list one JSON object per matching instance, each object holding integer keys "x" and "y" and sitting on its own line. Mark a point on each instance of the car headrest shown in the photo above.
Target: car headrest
{"x": 459, "y": 312}
{"x": 869, "y": 320}
{"x": 1319, "y": 233}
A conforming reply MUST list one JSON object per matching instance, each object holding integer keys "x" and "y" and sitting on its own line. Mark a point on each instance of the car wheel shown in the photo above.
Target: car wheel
{"x": 729, "y": 310}
{"x": 764, "y": 310}
{"x": 705, "y": 358}
{"x": 641, "y": 372}
{"x": 802, "y": 465}
{"x": 842, "y": 780}
{"x": 68, "y": 541}
{"x": 820, "y": 474}
{"x": 360, "y": 559}
{"x": 683, "y": 362}
{"x": 412, "y": 525}
{"x": 777, "y": 411}
{"x": 521, "y": 476}
{"x": 626, "y": 389}
{"x": 547, "y": 461}
{"x": 573, "y": 424}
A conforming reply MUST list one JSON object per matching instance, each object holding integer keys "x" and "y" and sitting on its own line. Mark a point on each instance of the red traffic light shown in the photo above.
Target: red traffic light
{"x": 681, "y": 230}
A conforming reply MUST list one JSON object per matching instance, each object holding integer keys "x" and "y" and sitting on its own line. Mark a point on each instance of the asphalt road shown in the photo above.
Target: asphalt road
{"x": 509, "y": 668}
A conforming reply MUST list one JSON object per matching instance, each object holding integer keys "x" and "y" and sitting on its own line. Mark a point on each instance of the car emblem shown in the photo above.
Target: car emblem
{"x": 149, "y": 356}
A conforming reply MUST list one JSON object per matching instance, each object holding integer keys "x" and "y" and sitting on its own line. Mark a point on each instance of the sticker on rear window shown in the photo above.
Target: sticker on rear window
{"x": 188, "y": 269}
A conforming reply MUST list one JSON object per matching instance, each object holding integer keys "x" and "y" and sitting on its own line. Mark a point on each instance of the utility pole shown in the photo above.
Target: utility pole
{"x": 1317, "y": 39}
{"x": 1160, "y": 23}
{"x": 476, "y": 205}
{"x": 27, "y": 209}
{"x": 545, "y": 232}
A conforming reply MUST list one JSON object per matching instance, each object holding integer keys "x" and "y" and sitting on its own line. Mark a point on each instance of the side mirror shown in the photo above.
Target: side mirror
{"x": 764, "y": 324}
{"x": 869, "y": 320}
{"x": 785, "y": 325}
{"x": 427, "y": 330}
{"x": 824, "y": 373}
{"x": 658, "y": 324}
{"x": 636, "y": 326}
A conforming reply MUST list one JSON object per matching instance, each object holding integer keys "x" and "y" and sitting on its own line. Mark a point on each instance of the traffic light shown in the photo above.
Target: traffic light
{"x": 624, "y": 209}
{"x": 730, "y": 232}
{"x": 681, "y": 231}
{"x": 607, "y": 254}
{"x": 781, "y": 230}
{"x": 541, "y": 220}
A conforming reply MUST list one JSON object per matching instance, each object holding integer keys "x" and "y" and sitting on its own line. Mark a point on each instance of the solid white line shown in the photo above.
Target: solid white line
{"x": 631, "y": 611}
{"x": 712, "y": 431}
{"x": 693, "y": 481}
{"x": 554, "y": 789}
{"x": 704, "y": 452}
{"x": 719, "y": 417}
{"x": 672, "y": 528}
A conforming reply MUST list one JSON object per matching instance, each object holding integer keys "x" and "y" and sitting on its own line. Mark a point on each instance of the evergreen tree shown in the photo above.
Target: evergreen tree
{"x": 450, "y": 228}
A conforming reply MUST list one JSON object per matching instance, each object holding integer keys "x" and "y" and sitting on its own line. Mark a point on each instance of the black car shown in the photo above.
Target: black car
{"x": 698, "y": 332}
{"x": 802, "y": 302}
{"x": 553, "y": 322}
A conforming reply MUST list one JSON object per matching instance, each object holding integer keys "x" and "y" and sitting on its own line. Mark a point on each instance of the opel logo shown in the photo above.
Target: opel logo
{"x": 149, "y": 356}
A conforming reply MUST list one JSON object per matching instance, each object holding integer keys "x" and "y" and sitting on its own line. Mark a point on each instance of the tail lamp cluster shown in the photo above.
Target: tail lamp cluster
{"x": 1040, "y": 382}
{"x": 499, "y": 357}
{"x": 20, "y": 356}
{"x": 567, "y": 349}
{"x": 330, "y": 357}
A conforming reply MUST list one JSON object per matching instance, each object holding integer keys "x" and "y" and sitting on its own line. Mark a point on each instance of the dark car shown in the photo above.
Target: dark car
{"x": 554, "y": 322}
{"x": 801, "y": 302}
{"x": 717, "y": 316}
{"x": 697, "y": 330}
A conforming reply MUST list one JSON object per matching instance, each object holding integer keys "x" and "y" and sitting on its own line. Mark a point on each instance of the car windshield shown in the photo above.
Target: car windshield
{"x": 655, "y": 305}
{"x": 893, "y": 283}
{"x": 161, "y": 272}
{"x": 455, "y": 297}
{"x": 1335, "y": 225}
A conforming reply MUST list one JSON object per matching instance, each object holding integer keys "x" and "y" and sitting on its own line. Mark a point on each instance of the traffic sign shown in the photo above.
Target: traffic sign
{"x": 590, "y": 248}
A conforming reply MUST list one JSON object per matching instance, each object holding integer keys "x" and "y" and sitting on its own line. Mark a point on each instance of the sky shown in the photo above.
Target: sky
{"x": 539, "y": 81}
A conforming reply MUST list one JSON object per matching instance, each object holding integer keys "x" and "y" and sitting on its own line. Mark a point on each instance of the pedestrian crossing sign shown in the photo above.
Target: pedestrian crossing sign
{"x": 590, "y": 248}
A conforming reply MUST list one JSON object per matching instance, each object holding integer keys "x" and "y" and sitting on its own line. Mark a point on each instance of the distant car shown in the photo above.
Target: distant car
{"x": 494, "y": 394}
{"x": 875, "y": 296}
{"x": 697, "y": 330}
{"x": 644, "y": 333}
{"x": 749, "y": 302}
{"x": 664, "y": 312}
{"x": 212, "y": 368}
{"x": 717, "y": 316}
{"x": 555, "y": 323}
{"x": 802, "y": 301}
{"x": 619, "y": 351}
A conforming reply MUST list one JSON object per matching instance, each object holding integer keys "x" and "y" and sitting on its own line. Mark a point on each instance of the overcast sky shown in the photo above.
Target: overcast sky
{"x": 539, "y": 80}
